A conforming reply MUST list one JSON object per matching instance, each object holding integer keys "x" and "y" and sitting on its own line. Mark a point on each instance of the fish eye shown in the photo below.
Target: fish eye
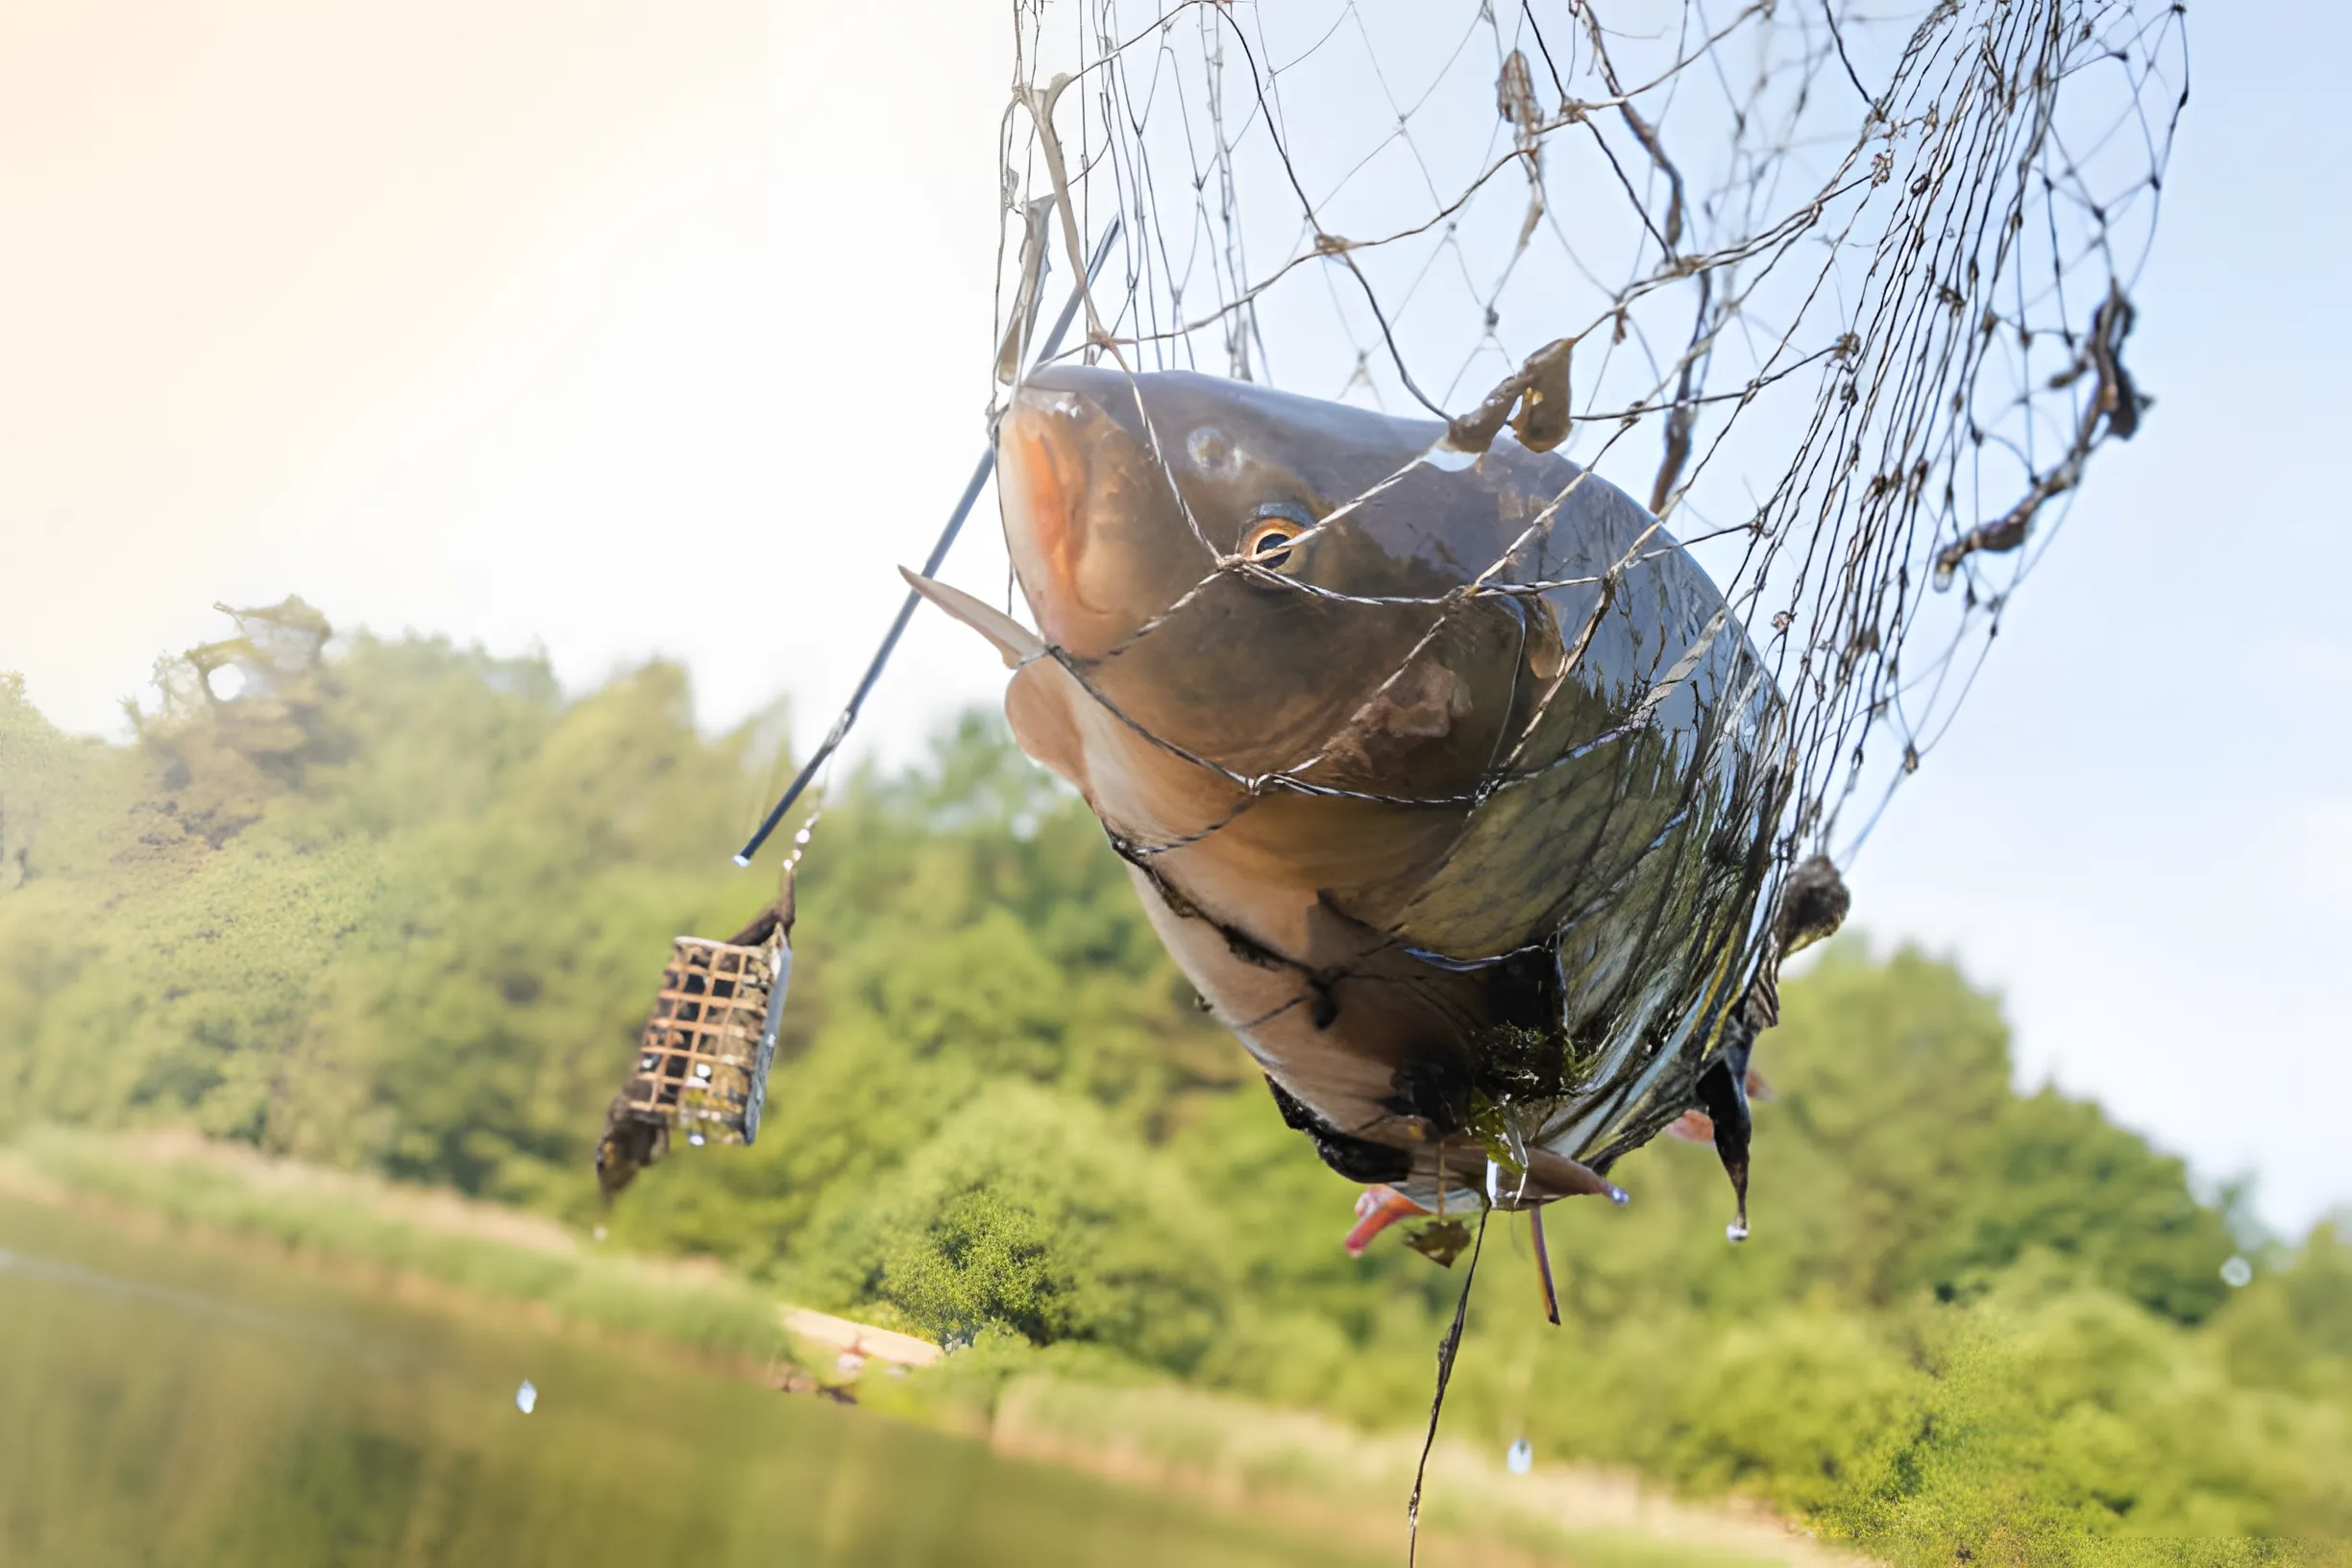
{"x": 1269, "y": 542}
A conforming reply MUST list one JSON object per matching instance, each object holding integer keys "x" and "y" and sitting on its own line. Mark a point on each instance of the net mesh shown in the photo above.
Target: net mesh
{"x": 1838, "y": 289}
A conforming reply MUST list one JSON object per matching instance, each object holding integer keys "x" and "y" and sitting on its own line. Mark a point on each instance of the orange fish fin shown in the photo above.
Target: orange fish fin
{"x": 1693, "y": 1127}
{"x": 1379, "y": 1207}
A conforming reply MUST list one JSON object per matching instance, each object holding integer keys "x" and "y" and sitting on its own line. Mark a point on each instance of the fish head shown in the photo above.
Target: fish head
{"x": 1124, "y": 493}
{"x": 1263, "y": 583}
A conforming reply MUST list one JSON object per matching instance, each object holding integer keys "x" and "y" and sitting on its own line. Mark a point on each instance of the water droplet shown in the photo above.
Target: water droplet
{"x": 801, "y": 836}
{"x": 2237, "y": 1273}
{"x": 1735, "y": 1232}
{"x": 1521, "y": 1458}
{"x": 527, "y": 1396}
{"x": 1502, "y": 1179}
{"x": 1619, "y": 1196}
{"x": 695, "y": 1139}
{"x": 1448, "y": 459}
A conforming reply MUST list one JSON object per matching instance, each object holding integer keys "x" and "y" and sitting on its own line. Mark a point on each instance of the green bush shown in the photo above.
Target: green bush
{"x": 1028, "y": 1212}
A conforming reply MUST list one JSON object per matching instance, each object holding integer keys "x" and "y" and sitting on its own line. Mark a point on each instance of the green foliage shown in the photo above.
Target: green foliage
{"x": 1028, "y": 1211}
{"x": 399, "y": 908}
{"x": 1793, "y": 1406}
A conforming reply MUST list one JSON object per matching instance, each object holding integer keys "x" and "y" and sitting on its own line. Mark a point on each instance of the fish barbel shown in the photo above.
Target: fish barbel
{"x": 1452, "y": 787}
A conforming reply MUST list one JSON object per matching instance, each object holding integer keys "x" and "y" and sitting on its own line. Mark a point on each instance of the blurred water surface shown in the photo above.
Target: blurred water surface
{"x": 170, "y": 1400}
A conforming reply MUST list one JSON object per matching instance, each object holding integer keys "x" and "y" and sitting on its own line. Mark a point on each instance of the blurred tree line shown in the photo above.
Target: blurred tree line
{"x": 401, "y": 905}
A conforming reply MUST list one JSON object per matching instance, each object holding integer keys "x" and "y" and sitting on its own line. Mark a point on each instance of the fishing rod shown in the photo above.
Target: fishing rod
{"x": 931, "y": 566}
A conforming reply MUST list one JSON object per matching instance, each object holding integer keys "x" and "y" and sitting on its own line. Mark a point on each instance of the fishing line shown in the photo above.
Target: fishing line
{"x": 931, "y": 566}
{"x": 1446, "y": 1351}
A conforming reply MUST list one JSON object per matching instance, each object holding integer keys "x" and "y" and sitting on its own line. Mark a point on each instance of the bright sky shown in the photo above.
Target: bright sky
{"x": 659, "y": 326}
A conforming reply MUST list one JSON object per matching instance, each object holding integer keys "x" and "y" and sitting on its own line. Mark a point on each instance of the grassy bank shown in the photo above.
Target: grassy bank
{"x": 1245, "y": 1455}
{"x": 487, "y": 1251}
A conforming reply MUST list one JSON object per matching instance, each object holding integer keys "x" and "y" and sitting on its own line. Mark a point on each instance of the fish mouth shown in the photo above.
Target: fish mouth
{"x": 1057, "y": 444}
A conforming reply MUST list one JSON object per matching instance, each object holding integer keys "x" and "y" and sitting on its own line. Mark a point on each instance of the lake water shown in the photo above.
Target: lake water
{"x": 169, "y": 1401}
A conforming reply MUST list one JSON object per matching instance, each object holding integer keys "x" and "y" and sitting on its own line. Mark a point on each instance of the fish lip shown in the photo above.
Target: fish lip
{"x": 1081, "y": 475}
{"x": 1046, "y": 395}
{"x": 1044, "y": 455}
{"x": 1062, "y": 384}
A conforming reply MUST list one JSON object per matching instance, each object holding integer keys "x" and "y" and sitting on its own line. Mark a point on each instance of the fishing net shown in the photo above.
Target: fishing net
{"x": 1838, "y": 291}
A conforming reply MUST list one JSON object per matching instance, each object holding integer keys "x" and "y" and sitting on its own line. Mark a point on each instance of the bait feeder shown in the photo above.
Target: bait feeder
{"x": 711, "y": 1038}
{"x": 701, "y": 1064}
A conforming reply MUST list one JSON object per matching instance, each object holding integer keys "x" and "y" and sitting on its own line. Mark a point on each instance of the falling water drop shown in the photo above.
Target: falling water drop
{"x": 695, "y": 1139}
{"x": 1494, "y": 1184}
{"x": 1735, "y": 1232}
{"x": 1521, "y": 1458}
{"x": 527, "y": 1396}
{"x": 2237, "y": 1273}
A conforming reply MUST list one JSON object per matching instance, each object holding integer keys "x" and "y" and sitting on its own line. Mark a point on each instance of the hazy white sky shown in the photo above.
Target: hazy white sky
{"x": 495, "y": 320}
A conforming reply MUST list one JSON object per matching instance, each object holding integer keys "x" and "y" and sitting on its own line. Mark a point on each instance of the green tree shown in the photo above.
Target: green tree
{"x": 400, "y": 905}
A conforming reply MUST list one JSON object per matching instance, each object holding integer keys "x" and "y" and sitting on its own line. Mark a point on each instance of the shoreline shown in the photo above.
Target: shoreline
{"x": 462, "y": 1254}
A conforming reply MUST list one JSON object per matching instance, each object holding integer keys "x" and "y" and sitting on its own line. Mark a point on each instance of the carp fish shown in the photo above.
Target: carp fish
{"x": 1451, "y": 782}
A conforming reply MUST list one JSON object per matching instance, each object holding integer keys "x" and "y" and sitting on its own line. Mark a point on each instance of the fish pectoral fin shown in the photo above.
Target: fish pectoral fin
{"x": 1016, "y": 642}
{"x": 1723, "y": 1088}
{"x": 1553, "y": 1175}
{"x": 1692, "y": 1127}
